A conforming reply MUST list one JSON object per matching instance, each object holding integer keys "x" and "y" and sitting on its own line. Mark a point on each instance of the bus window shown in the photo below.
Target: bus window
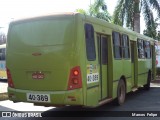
{"x": 90, "y": 44}
{"x": 117, "y": 45}
{"x": 140, "y": 49}
{"x": 147, "y": 49}
{"x": 125, "y": 46}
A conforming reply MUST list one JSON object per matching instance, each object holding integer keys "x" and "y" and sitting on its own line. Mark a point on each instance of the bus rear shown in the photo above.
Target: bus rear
{"x": 41, "y": 66}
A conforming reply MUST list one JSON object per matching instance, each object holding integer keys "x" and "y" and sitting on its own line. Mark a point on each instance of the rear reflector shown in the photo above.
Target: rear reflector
{"x": 9, "y": 77}
{"x": 75, "y": 80}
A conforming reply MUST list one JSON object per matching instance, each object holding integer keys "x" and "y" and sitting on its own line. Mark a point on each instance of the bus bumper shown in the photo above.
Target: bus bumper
{"x": 57, "y": 98}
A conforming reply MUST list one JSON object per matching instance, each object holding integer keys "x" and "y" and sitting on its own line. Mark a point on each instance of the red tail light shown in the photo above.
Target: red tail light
{"x": 75, "y": 80}
{"x": 9, "y": 77}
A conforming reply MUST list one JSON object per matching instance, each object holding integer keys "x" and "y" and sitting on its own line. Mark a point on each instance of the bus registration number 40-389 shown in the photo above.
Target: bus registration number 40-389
{"x": 38, "y": 97}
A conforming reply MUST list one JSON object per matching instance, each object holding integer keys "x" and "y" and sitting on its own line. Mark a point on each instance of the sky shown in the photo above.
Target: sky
{"x": 15, "y": 9}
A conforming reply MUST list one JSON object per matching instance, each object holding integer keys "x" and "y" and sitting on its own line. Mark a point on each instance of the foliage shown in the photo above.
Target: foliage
{"x": 97, "y": 9}
{"x": 81, "y": 11}
{"x": 151, "y": 30}
{"x": 125, "y": 11}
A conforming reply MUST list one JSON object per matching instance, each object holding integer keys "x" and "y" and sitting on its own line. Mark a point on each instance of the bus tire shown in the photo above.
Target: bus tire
{"x": 121, "y": 92}
{"x": 147, "y": 86}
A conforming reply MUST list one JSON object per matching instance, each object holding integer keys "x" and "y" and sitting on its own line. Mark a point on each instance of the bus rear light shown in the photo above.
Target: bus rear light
{"x": 75, "y": 72}
{"x": 9, "y": 77}
{"x": 75, "y": 80}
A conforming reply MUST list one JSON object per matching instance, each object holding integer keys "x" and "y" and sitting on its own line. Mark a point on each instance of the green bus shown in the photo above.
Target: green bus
{"x": 74, "y": 59}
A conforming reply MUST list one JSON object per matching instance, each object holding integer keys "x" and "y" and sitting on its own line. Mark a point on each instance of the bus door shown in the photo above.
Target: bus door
{"x": 103, "y": 62}
{"x": 133, "y": 66}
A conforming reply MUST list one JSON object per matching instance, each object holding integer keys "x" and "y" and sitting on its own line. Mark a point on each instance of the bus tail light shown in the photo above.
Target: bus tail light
{"x": 75, "y": 80}
{"x": 9, "y": 77}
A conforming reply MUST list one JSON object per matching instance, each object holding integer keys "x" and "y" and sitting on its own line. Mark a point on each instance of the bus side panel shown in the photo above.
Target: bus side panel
{"x": 143, "y": 67}
{"x": 127, "y": 74}
{"x": 141, "y": 72}
{"x": 118, "y": 72}
{"x": 121, "y": 68}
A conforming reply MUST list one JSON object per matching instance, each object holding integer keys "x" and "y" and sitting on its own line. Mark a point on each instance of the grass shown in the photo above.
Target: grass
{"x": 3, "y": 96}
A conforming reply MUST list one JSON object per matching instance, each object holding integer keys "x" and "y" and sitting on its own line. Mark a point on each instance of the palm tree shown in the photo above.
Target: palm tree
{"x": 97, "y": 9}
{"x": 151, "y": 31}
{"x": 128, "y": 12}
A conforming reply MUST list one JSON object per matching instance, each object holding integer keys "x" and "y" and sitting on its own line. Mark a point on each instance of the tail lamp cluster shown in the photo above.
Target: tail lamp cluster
{"x": 75, "y": 80}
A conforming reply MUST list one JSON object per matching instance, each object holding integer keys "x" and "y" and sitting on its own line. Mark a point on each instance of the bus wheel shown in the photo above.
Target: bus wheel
{"x": 121, "y": 92}
{"x": 147, "y": 86}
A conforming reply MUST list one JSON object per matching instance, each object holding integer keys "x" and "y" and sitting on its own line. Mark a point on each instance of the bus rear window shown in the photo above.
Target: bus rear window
{"x": 90, "y": 44}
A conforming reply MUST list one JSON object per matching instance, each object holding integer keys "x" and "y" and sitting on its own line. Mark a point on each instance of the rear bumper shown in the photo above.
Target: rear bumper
{"x": 57, "y": 98}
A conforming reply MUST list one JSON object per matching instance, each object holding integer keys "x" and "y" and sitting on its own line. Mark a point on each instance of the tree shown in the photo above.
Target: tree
{"x": 82, "y": 11}
{"x": 97, "y": 9}
{"x": 128, "y": 12}
{"x": 151, "y": 30}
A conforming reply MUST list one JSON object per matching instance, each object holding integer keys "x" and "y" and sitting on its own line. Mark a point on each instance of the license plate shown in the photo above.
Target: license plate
{"x": 38, "y": 76}
{"x": 38, "y": 97}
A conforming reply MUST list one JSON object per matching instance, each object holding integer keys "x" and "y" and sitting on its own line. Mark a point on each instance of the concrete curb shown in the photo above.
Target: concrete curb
{"x": 3, "y": 96}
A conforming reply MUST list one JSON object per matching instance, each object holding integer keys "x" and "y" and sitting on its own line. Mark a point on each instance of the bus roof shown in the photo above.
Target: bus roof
{"x": 88, "y": 18}
{"x": 38, "y": 17}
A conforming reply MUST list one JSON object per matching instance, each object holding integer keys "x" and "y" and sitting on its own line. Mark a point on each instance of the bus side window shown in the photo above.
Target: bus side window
{"x": 117, "y": 45}
{"x": 140, "y": 49}
{"x": 90, "y": 43}
{"x": 147, "y": 49}
{"x": 125, "y": 46}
